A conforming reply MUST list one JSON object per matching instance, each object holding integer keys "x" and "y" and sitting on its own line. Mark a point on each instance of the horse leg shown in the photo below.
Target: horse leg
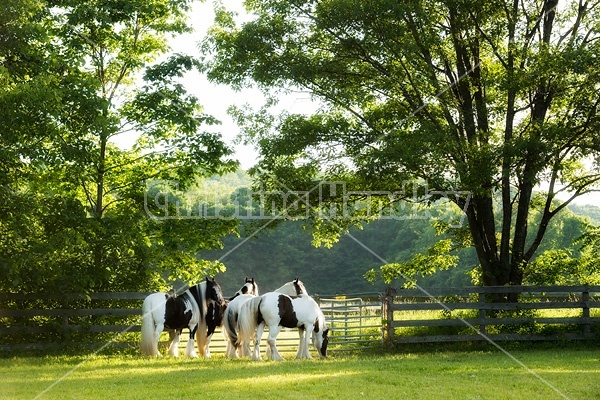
{"x": 190, "y": 350}
{"x": 242, "y": 347}
{"x": 207, "y": 348}
{"x": 157, "y": 331}
{"x": 230, "y": 349}
{"x": 306, "y": 340}
{"x": 259, "y": 331}
{"x": 174, "y": 336}
{"x": 272, "y": 341}
{"x": 301, "y": 344}
{"x": 201, "y": 338}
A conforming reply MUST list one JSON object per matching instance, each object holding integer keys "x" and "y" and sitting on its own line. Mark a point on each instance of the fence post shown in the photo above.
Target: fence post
{"x": 585, "y": 298}
{"x": 383, "y": 300}
{"x": 387, "y": 313}
{"x": 482, "y": 314}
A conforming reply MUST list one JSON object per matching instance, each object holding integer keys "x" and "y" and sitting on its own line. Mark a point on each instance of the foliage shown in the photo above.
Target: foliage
{"x": 275, "y": 251}
{"x": 482, "y": 101}
{"x": 587, "y": 210}
{"x": 436, "y": 259}
{"x": 79, "y": 76}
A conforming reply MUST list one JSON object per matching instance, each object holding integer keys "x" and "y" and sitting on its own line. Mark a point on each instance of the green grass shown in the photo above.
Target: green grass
{"x": 419, "y": 373}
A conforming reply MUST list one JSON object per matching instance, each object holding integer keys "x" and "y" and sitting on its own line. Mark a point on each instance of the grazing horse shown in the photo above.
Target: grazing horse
{"x": 277, "y": 310}
{"x": 235, "y": 347}
{"x": 200, "y": 309}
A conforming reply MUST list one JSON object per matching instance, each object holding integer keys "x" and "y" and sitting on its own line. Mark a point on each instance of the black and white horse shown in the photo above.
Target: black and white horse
{"x": 277, "y": 310}
{"x": 249, "y": 287}
{"x": 200, "y": 309}
{"x": 235, "y": 347}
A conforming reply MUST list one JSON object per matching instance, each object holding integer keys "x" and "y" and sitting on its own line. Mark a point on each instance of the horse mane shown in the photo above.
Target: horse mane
{"x": 320, "y": 322}
{"x": 299, "y": 286}
{"x": 199, "y": 292}
{"x": 171, "y": 294}
{"x": 293, "y": 288}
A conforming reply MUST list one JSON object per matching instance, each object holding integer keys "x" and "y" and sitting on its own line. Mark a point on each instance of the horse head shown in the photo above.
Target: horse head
{"x": 214, "y": 292}
{"x": 321, "y": 337}
{"x": 249, "y": 287}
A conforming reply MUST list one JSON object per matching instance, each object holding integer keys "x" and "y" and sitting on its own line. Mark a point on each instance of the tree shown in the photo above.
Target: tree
{"x": 498, "y": 98}
{"x": 88, "y": 73}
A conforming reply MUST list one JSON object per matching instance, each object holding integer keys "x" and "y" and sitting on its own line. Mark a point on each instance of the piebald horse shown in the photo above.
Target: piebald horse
{"x": 200, "y": 309}
{"x": 278, "y": 310}
{"x": 234, "y": 346}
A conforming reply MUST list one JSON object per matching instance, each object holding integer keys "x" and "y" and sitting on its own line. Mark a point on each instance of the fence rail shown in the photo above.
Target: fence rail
{"x": 483, "y": 315}
{"x": 80, "y": 314}
{"x": 356, "y": 322}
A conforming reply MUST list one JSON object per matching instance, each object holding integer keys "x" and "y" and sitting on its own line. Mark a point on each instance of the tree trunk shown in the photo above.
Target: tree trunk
{"x": 99, "y": 209}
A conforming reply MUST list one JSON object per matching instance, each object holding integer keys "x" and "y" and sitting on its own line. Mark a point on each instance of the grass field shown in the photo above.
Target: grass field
{"x": 550, "y": 373}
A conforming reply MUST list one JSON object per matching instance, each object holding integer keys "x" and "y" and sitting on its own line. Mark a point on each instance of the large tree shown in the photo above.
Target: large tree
{"x": 76, "y": 77}
{"x": 486, "y": 100}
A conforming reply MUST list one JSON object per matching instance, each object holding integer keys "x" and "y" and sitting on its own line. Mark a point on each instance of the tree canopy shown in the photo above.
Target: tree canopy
{"x": 75, "y": 76}
{"x": 479, "y": 100}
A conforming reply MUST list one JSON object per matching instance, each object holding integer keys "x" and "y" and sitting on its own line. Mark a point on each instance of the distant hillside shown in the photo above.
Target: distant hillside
{"x": 587, "y": 210}
{"x": 275, "y": 253}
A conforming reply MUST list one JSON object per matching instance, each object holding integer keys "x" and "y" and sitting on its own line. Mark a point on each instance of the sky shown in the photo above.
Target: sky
{"x": 216, "y": 99}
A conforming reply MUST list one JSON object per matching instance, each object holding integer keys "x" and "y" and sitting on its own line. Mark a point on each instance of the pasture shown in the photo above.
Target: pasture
{"x": 566, "y": 373}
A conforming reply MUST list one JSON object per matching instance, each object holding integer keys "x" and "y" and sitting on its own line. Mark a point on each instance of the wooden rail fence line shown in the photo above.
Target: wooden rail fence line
{"x": 356, "y": 322}
{"x": 487, "y": 318}
{"x": 23, "y": 314}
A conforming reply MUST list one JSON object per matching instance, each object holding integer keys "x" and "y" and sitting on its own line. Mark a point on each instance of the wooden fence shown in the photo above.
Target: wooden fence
{"x": 476, "y": 314}
{"x": 356, "y": 322}
{"x": 33, "y": 322}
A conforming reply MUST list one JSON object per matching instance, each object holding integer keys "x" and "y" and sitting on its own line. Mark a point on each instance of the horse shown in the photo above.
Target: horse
{"x": 249, "y": 287}
{"x": 237, "y": 347}
{"x": 234, "y": 346}
{"x": 200, "y": 309}
{"x": 277, "y": 310}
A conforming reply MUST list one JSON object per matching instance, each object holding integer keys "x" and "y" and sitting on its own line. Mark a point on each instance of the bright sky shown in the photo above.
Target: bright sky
{"x": 217, "y": 98}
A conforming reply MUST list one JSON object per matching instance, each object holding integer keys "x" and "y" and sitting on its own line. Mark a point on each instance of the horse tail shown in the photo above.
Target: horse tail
{"x": 202, "y": 287}
{"x": 248, "y": 317}
{"x": 202, "y": 327}
{"x": 148, "y": 344}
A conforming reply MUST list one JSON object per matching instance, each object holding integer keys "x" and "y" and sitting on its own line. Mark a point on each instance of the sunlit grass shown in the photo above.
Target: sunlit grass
{"x": 574, "y": 372}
